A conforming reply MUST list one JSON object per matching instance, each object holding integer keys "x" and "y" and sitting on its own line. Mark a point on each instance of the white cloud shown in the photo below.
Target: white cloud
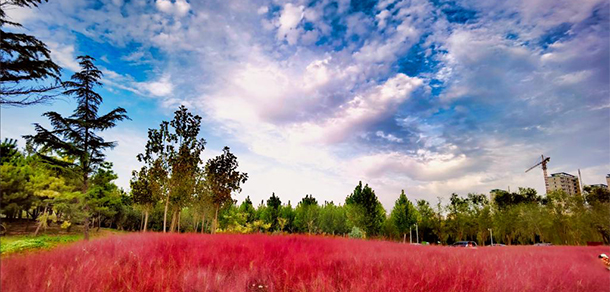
{"x": 381, "y": 18}
{"x": 298, "y": 111}
{"x": 162, "y": 87}
{"x": 388, "y": 137}
{"x": 262, "y": 10}
{"x": 64, "y": 56}
{"x": 135, "y": 56}
{"x": 288, "y": 21}
{"x": 178, "y": 8}
{"x": 130, "y": 142}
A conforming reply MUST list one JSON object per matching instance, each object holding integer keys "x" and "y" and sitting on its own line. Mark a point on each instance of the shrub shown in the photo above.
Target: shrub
{"x": 356, "y": 233}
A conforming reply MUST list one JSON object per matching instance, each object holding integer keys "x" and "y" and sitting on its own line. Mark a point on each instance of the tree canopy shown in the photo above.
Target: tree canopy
{"x": 76, "y": 136}
{"x": 25, "y": 59}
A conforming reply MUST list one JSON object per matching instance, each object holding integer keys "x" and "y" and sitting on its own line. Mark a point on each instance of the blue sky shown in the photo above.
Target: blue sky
{"x": 433, "y": 97}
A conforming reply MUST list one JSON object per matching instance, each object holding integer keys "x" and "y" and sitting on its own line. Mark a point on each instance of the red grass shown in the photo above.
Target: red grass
{"x": 182, "y": 262}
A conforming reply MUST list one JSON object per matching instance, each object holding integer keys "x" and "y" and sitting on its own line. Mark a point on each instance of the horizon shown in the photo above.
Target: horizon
{"x": 312, "y": 98}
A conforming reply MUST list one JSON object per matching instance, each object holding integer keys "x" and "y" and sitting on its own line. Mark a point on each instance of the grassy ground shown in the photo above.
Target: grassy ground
{"x": 23, "y": 243}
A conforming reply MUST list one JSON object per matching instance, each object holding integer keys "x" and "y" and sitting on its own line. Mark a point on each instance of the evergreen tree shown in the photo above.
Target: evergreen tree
{"x": 75, "y": 136}
{"x": 287, "y": 213}
{"x": 24, "y": 59}
{"x": 365, "y": 210}
{"x": 274, "y": 205}
{"x": 307, "y": 214}
{"x": 404, "y": 215}
{"x": 247, "y": 208}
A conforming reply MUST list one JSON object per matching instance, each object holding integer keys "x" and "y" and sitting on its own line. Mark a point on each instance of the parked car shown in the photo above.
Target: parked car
{"x": 465, "y": 244}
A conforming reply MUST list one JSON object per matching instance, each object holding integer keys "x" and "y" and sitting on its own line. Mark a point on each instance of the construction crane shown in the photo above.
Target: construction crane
{"x": 543, "y": 162}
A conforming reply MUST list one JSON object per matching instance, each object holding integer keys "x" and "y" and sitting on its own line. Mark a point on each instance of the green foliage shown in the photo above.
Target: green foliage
{"x": 287, "y": 213}
{"x": 307, "y": 215}
{"x": 103, "y": 194}
{"x": 365, "y": 210}
{"x": 142, "y": 191}
{"x": 356, "y": 233}
{"x": 404, "y": 215}
{"x": 25, "y": 243}
{"x": 172, "y": 159}
{"x": 76, "y": 136}
{"x": 333, "y": 219}
{"x": 25, "y": 61}
{"x": 247, "y": 208}
{"x": 273, "y": 212}
{"x": 8, "y": 151}
{"x": 223, "y": 178}
{"x": 504, "y": 199}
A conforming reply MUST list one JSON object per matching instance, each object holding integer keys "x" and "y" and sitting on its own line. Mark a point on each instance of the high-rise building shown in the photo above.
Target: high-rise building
{"x": 564, "y": 181}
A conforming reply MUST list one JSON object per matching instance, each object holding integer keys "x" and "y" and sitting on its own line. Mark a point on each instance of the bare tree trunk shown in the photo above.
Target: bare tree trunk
{"x": 145, "y": 219}
{"x": 86, "y": 231}
{"x": 85, "y": 190}
{"x": 203, "y": 223}
{"x": 173, "y": 224}
{"x": 179, "y": 220}
{"x": 165, "y": 214}
{"x": 99, "y": 222}
{"x": 142, "y": 223}
{"x": 215, "y": 224}
{"x": 40, "y": 224}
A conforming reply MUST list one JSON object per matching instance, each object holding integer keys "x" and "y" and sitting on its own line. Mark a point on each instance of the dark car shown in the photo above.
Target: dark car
{"x": 465, "y": 244}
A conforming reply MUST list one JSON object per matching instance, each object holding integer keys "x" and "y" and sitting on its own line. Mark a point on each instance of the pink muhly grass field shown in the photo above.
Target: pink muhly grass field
{"x": 190, "y": 262}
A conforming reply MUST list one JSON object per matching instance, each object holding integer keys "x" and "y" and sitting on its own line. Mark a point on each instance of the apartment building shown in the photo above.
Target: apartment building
{"x": 564, "y": 181}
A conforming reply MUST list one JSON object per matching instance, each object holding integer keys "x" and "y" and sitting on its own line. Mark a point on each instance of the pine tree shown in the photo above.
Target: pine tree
{"x": 274, "y": 205}
{"x": 75, "y": 136}
{"x": 404, "y": 214}
{"x": 24, "y": 59}
{"x": 365, "y": 209}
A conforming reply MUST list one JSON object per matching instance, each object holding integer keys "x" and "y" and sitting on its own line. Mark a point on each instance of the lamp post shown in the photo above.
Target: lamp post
{"x": 492, "y": 236}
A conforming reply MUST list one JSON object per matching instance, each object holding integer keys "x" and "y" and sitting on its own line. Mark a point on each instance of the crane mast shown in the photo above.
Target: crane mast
{"x": 543, "y": 162}
{"x": 546, "y": 177}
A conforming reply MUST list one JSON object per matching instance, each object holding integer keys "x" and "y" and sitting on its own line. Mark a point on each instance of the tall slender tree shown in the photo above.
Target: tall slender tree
{"x": 223, "y": 178}
{"x": 174, "y": 151}
{"x": 274, "y": 205}
{"x": 404, "y": 214}
{"x": 24, "y": 59}
{"x": 76, "y": 136}
{"x": 144, "y": 191}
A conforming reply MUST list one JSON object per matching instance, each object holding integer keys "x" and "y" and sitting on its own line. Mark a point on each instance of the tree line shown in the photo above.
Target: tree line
{"x": 62, "y": 178}
{"x": 200, "y": 199}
